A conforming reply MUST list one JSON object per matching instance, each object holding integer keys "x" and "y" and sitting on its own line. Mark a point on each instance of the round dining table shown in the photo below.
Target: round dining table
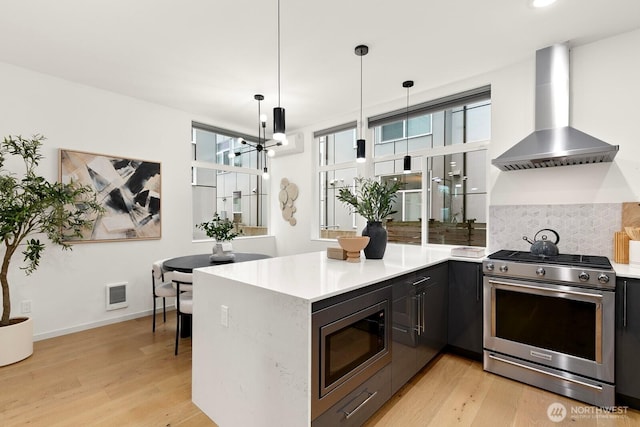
{"x": 187, "y": 263}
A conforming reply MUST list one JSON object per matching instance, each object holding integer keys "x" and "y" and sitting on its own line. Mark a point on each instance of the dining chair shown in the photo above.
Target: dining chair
{"x": 184, "y": 299}
{"x": 162, "y": 287}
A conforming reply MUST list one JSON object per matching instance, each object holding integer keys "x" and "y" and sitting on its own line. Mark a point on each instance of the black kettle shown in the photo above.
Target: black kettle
{"x": 543, "y": 246}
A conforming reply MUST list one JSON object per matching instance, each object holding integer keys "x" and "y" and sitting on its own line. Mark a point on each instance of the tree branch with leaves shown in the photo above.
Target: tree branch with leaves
{"x": 31, "y": 205}
{"x": 371, "y": 199}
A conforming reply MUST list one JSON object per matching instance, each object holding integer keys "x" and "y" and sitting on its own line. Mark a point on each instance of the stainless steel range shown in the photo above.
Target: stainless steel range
{"x": 549, "y": 322}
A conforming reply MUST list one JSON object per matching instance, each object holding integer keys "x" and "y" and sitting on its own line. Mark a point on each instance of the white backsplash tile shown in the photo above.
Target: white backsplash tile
{"x": 585, "y": 229}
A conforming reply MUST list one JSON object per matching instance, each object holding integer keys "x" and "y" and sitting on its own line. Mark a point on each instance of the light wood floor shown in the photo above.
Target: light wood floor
{"x": 124, "y": 375}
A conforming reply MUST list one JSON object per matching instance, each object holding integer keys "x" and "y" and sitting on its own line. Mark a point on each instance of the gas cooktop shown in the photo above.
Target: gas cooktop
{"x": 588, "y": 261}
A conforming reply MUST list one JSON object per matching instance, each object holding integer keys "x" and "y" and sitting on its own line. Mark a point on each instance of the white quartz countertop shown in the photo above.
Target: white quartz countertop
{"x": 313, "y": 277}
{"x": 626, "y": 270}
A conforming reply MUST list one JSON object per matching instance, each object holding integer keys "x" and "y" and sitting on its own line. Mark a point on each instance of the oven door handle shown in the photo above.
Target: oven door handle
{"x": 551, "y": 291}
{"x": 551, "y": 374}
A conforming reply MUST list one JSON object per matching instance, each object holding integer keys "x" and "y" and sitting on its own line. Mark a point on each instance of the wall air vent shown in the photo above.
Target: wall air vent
{"x": 116, "y": 296}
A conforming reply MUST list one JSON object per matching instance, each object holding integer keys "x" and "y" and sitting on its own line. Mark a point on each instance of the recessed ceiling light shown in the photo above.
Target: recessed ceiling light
{"x": 541, "y": 3}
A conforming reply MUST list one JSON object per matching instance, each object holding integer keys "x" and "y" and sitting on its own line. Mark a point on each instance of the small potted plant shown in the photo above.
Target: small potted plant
{"x": 221, "y": 230}
{"x": 30, "y": 204}
{"x": 373, "y": 200}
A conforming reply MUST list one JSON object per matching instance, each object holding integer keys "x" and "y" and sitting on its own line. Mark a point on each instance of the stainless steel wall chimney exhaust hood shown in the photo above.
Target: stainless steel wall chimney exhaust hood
{"x": 554, "y": 142}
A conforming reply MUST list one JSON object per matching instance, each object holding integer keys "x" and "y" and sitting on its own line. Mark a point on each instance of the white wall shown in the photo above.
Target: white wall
{"x": 605, "y": 93}
{"x": 68, "y": 290}
{"x": 604, "y": 103}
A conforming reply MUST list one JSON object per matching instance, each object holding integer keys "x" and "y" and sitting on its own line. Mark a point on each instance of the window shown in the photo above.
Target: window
{"x": 229, "y": 185}
{"x": 336, "y": 160}
{"x": 338, "y": 147}
{"x": 454, "y": 200}
{"x": 457, "y": 199}
{"x": 392, "y": 138}
{"x": 444, "y": 198}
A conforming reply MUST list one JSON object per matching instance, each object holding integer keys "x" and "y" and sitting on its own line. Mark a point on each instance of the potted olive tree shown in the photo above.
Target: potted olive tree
{"x": 222, "y": 231}
{"x": 373, "y": 200}
{"x": 31, "y": 205}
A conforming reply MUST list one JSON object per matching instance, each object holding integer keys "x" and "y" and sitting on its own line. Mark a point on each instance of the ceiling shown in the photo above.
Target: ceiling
{"x": 209, "y": 57}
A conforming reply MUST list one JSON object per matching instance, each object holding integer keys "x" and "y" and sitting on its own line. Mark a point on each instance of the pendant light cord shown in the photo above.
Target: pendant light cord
{"x": 278, "y": 53}
{"x": 360, "y": 97}
{"x": 408, "y": 120}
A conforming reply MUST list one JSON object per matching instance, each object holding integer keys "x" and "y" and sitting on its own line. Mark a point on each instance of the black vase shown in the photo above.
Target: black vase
{"x": 377, "y": 240}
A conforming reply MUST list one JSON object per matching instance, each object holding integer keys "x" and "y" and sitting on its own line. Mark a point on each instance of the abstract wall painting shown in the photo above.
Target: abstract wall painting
{"x": 128, "y": 189}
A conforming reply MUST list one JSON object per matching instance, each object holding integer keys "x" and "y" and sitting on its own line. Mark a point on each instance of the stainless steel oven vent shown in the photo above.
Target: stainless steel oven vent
{"x": 554, "y": 142}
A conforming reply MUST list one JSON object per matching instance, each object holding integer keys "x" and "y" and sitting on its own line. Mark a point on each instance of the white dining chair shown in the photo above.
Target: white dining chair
{"x": 184, "y": 299}
{"x": 162, "y": 287}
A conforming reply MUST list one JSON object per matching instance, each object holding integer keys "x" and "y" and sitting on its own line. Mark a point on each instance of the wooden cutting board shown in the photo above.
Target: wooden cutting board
{"x": 621, "y": 248}
{"x": 630, "y": 214}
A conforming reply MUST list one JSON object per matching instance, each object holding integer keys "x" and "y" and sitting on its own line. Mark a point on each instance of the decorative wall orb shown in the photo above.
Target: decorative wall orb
{"x": 287, "y": 196}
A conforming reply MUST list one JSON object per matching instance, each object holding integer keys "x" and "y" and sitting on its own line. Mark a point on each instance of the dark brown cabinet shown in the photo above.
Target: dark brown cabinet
{"x": 627, "y": 342}
{"x": 419, "y": 321}
{"x": 359, "y": 405}
{"x": 465, "y": 308}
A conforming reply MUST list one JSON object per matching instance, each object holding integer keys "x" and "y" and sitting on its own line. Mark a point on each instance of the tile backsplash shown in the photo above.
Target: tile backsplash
{"x": 585, "y": 229}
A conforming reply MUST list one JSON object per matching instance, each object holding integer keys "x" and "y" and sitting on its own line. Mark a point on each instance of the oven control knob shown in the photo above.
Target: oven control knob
{"x": 540, "y": 271}
{"x": 583, "y": 276}
{"x": 490, "y": 267}
{"x": 603, "y": 278}
{"x": 504, "y": 268}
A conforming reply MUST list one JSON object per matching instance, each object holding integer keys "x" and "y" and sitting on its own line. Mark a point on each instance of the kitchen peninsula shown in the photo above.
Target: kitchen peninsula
{"x": 252, "y": 329}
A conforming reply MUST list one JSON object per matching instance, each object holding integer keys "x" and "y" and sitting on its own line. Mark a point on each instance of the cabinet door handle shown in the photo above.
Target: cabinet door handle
{"x": 624, "y": 304}
{"x": 422, "y": 280}
{"x": 415, "y": 314}
{"x": 424, "y": 320}
{"x": 418, "y": 313}
{"x": 352, "y": 413}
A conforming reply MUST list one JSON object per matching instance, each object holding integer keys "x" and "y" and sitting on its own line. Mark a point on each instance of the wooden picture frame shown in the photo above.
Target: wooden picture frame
{"x": 128, "y": 189}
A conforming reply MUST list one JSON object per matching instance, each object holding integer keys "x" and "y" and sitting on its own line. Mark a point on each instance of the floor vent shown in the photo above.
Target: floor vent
{"x": 117, "y": 296}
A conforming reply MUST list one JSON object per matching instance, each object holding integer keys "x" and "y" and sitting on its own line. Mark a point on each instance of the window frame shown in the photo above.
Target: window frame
{"x": 422, "y": 154}
{"x": 377, "y": 136}
{"x": 222, "y": 168}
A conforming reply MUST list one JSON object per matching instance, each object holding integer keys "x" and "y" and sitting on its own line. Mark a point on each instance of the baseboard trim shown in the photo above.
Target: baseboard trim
{"x": 105, "y": 322}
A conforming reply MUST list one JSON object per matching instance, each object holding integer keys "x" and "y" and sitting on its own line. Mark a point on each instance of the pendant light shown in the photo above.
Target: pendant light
{"x": 361, "y": 50}
{"x": 262, "y": 137}
{"x": 278, "y": 112}
{"x": 407, "y": 158}
{"x": 261, "y": 146}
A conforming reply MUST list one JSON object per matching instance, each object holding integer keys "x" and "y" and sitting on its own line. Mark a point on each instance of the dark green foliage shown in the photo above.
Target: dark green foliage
{"x": 219, "y": 229}
{"x": 372, "y": 200}
{"x": 29, "y": 204}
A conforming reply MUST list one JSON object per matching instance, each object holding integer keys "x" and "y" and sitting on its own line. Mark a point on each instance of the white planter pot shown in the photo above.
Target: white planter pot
{"x": 16, "y": 342}
{"x": 222, "y": 251}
